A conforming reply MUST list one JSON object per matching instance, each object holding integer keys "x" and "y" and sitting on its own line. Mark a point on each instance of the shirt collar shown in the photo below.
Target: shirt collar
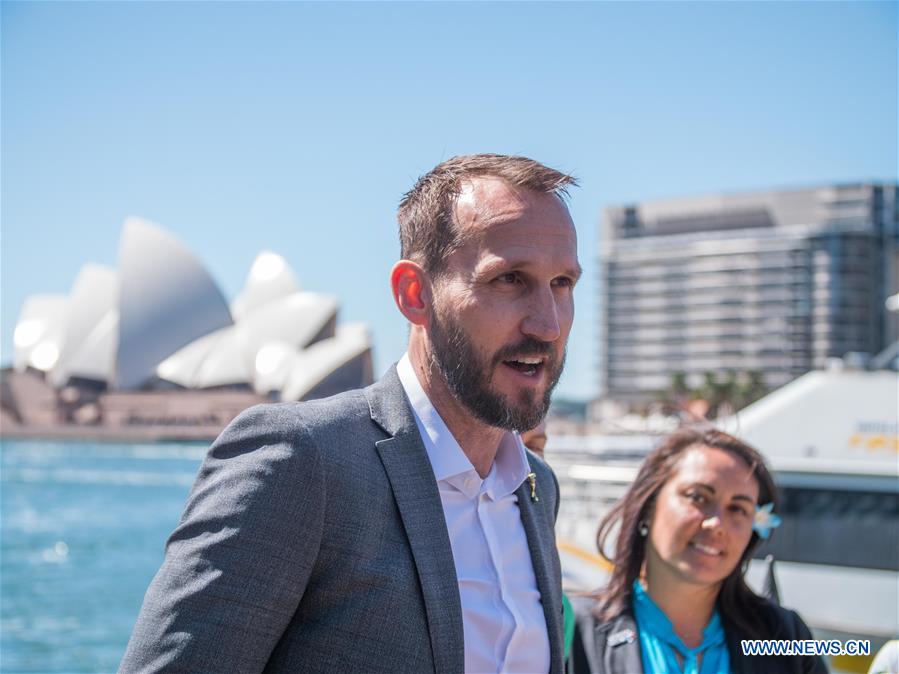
{"x": 510, "y": 466}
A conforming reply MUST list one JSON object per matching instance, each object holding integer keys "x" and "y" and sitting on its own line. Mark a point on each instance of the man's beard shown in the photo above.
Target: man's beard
{"x": 467, "y": 375}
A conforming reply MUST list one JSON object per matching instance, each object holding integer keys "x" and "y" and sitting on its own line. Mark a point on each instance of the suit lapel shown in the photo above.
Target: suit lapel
{"x": 415, "y": 491}
{"x": 541, "y": 546}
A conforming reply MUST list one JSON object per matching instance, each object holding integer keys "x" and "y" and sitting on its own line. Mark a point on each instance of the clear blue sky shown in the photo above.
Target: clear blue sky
{"x": 297, "y": 127}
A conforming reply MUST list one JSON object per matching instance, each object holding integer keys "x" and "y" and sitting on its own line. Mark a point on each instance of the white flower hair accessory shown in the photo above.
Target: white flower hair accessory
{"x": 765, "y": 520}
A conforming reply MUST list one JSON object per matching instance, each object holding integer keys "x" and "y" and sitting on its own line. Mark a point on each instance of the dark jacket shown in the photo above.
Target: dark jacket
{"x": 614, "y": 647}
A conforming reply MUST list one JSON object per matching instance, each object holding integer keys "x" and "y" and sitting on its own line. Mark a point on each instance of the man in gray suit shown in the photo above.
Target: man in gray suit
{"x": 403, "y": 527}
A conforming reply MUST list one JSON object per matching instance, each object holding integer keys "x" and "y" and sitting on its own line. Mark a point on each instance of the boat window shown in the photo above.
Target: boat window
{"x": 839, "y": 527}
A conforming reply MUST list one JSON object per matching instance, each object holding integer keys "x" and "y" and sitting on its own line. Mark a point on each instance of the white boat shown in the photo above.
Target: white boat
{"x": 832, "y": 440}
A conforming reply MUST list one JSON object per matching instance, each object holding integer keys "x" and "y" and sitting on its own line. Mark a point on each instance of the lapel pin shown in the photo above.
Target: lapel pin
{"x": 627, "y": 636}
{"x": 532, "y": 478}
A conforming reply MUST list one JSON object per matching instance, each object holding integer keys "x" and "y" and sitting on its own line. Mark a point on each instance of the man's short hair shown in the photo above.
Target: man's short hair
{"x": 428, "y": 231}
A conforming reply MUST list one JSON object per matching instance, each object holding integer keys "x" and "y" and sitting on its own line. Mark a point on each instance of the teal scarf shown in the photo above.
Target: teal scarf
{"x": 659, "y": 644}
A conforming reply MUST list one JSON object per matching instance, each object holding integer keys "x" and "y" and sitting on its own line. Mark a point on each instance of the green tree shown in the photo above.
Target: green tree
{"x": 678, "y": 388}
{"x": 755, "y": 386}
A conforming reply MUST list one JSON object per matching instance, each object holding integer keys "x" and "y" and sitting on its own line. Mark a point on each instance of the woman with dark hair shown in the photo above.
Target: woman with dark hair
{"x": 677, "y": 601}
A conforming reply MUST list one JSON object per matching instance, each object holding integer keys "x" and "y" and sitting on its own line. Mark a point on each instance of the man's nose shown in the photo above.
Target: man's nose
{"x": 542, "y": 320}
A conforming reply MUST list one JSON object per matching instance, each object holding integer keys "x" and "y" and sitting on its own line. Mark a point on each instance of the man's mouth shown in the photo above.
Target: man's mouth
{"x": 530, "y": 367}
{"x": 707, "y": 549}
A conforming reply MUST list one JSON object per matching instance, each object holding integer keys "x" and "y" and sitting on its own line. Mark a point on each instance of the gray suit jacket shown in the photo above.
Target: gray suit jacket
{"x": 314, "y": 541}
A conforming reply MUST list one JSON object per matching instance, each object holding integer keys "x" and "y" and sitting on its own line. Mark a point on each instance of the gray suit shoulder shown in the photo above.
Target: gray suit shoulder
{"x": 284, "y": 419}
{"x": 291, "y": 422}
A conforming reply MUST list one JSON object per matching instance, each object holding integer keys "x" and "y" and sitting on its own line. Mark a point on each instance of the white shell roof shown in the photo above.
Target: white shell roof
{"x": 40, "y": 333}
{"x": 93, "y": 295}
{"x": 216, "y": 359}
{"x": 229, "y": 355}
{"x": 226, "y": 362}
{"x": 166, "y": 300}
{"x": 182, "y": 366}
{"x": 313, "y": 365}
{"x": 296, "y": 319}
{"x": 95, "y": 359}
{"x": 270, "y": 278}
{"x": 274, "y": 363}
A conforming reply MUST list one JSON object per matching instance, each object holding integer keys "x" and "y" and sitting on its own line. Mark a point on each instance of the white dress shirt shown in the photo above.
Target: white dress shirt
{"x": 503, "y": 621}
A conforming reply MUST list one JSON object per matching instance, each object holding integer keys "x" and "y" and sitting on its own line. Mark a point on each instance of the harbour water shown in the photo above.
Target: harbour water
{"x": 83, "y": 531}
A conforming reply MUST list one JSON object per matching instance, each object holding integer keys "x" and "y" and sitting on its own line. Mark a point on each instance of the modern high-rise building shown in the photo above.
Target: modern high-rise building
{"x": 774, "y": 283}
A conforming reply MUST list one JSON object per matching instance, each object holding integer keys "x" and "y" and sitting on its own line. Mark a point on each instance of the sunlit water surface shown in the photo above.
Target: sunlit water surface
{"x": 83, "y": 530}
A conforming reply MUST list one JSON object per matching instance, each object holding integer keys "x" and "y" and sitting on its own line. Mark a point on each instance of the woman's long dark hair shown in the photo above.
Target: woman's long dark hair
{"x": 737, "y": 603}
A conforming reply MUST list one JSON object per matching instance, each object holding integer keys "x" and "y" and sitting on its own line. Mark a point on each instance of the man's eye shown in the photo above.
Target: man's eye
{"x": 511, "y": 277}
{"x": 563, "y": 282}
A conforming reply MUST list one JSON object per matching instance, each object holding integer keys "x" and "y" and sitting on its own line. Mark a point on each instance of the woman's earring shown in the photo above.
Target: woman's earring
{"x": 643, "y": 529}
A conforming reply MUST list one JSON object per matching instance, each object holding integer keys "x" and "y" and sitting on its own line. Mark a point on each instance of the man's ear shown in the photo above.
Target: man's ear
{"x": 411, "y": 291}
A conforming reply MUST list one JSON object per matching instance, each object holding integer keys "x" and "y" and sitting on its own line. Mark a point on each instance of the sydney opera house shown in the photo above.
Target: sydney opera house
{"x": 153, "y": 350}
